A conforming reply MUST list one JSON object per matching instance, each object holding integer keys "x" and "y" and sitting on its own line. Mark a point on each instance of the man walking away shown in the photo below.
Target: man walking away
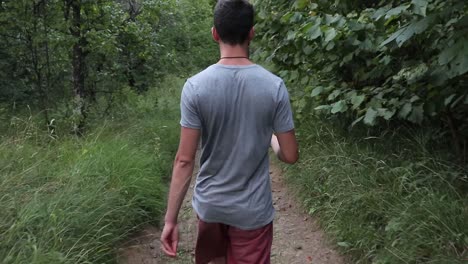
{"x": 239, "y": 109}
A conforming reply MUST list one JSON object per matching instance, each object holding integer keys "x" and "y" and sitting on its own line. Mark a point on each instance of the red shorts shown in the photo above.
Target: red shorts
{"x": 235, "y": 245}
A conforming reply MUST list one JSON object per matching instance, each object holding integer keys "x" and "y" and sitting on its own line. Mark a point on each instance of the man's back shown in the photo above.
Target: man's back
{"x": 237, "y": 109}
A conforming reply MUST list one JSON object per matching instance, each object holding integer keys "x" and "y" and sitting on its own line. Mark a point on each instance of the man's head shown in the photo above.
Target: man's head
{"x": 233, "y": 21}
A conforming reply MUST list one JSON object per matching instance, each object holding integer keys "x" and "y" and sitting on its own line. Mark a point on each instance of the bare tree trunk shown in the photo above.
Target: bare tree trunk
{"x": 50, "y": 125}
{"x": 78, "y": 62}
{"x": 35, "y": 57}
{"x": 456, "y": 138}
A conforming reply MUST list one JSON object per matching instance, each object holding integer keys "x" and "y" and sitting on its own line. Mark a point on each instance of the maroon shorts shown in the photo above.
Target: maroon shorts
{"x": 236, "y": 246}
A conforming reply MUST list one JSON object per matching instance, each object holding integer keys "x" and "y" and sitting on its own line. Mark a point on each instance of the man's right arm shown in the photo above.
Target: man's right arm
{"x": 285, "y": 147}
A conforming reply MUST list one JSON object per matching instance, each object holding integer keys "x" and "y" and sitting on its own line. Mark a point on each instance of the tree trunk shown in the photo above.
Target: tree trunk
{"x": 35, "y": 58}
{"x": 78, "y": 62}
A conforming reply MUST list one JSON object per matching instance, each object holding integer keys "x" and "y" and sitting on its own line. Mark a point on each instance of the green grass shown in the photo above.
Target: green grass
{"x": 73, "y": 200}
{"x": 384, "y": 199}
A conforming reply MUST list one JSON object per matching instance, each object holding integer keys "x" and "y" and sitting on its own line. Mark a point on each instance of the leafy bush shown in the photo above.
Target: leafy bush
{"x": 372, "y": 61}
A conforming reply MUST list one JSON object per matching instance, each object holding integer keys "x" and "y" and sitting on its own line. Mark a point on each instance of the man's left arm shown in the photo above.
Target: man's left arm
{"x": 181, "y": 177}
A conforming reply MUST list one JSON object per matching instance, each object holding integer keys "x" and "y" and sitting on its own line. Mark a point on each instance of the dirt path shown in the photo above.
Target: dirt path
{"x": 297, "y": 237}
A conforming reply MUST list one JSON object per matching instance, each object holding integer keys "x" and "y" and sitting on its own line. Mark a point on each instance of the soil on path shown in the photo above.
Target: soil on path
{"x": 297, "y": 237}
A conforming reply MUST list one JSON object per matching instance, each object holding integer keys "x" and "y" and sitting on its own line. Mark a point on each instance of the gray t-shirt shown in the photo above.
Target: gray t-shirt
{"x": 237, "y": 109}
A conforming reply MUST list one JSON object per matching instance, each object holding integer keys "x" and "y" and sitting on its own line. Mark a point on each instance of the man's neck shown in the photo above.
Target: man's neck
{"x": 234, "y": 55}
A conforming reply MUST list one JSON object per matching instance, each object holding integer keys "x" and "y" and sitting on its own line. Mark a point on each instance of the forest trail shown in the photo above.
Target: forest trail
{"x": 298, "y": 238}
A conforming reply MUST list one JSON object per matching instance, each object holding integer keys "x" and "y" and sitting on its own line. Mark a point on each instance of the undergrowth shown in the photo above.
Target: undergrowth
{"x": 66, "y": 199}
{"x": 385, "y": 199}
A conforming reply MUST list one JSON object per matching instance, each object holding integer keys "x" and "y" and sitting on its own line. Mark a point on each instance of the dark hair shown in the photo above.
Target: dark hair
{"x": 233, "y": 20}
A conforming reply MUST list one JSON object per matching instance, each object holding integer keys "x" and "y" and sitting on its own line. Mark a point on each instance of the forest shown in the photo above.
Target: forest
{"x": 89, "y": 120}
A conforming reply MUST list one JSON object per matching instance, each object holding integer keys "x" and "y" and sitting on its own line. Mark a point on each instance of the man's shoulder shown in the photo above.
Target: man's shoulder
{"x": 213, "y": 72}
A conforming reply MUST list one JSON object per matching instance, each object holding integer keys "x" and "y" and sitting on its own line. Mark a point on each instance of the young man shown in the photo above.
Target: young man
{"x": 235, "y": 106}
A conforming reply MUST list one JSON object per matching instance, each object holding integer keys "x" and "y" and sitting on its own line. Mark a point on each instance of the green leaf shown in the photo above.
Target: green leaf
{"x": 370, "y": 118}
{"x": 357, "y": 121}
{"x": 330, "y": 34}
{"x": 357, "y": 100}
{"x": 385, "y": 113}
{"x": 312, "y": 210}
{"x": 285, "y": 19}
{"x": 322, "y": 107}
{"x": 315, "y": 32}
{"x": 411, "y": 30}
{"x": 348, "y": 57}
{"x": 449, "y": 99}
{"x": 392, "y": 37}
{"x": 450, "y": 53}
{"x": 405, "y": 110}
{"x": 344, "y": 244}
{"x": 457, "y": 101}
{"x": 396, "y": 11}
{"x": 313, "y": 6}
{"x": 294, "y": 75}
{"x": 405, "y": 33}
{"x": 317, "y": 91}
{"x": 419, "y": 7}
{"x": 417, "y": 115}
{"x": 381, "y": 12}
{"x": 329, "y": 19}
{"x": 334, "y": 94}
{"x": 414, "y": 98}
{"x": 393, "y": 225}
{"x": 339, "y": 107}
{"x": 355, "y": 26}
{"x": 301, "y": 4}
{"x": 291, "y": 35}
{"x": 308, "y": 50}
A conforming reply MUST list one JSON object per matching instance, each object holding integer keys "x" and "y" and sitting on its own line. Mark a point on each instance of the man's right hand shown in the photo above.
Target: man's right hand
{"x": 285, "y": 146}
{"x": 170, "y": 239}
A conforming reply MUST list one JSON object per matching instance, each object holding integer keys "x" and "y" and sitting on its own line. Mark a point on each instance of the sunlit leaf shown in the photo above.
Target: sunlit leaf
{"x": 370, "y": 117}
{"x": 330, "y": 34}
{"x": 357, "y": 100}
{"x": 419, "y": 7}
{"x": 339, "y": 107}
{"x": 396, "y": 11}
{"x": 322, "y": 107}
{"x": 315, "y": 32}
{"x": 317, "y": 91}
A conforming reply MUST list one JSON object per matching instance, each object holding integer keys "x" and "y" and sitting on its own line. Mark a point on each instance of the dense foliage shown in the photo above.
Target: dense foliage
{"x": 373, "y": 61}
{"x": 66, "y": 58}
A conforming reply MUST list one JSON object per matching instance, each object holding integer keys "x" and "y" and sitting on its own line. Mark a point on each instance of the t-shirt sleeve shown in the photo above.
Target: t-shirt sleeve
{"x": 283, "y": 121}
{"x": 190, "y": 117}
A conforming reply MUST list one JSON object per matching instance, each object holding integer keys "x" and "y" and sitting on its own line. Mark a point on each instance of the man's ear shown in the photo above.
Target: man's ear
{"x": 215, "y": 34}
{"x": 251, "y": 34}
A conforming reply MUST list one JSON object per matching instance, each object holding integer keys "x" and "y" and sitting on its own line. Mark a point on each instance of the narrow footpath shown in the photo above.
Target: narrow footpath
{"x": 297, "y": 237}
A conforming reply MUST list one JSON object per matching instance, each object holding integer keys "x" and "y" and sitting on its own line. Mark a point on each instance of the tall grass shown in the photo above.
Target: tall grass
{"x": 72, "y": 200}
{"x": 384, "y": 199}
